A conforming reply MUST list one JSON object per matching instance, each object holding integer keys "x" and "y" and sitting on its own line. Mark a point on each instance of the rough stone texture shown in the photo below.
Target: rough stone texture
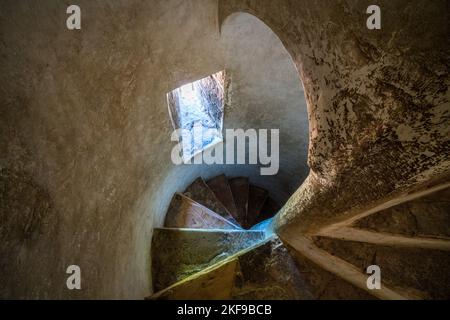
{"x": 240, "y": 189}
{"x": 186, "y": 213}
{"x": 219, "y": 185}
{"x": 268, "y": 273}
{"x": 424, "y": 217}
{"x": 265, "y": 272}
{"x": 201, "y": 193}
{"x": 25, "y": 217}
{"x": 215, "y": 284}
{"x": 180, "y": 253}
{"x": 421, "y": 272}
{"x": 378, "y": 101}
{"x": 83, "y": 114}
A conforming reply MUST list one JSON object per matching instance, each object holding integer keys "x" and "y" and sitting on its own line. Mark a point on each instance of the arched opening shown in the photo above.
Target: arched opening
{"x": 266, "y": 92}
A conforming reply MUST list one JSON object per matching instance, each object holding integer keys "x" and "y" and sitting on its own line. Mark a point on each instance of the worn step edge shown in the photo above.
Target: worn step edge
{"x": 173, "y": 238}
{"x": 225, "y": 212}
{"x": 387, "y": 239}
{"x": 383, "y": 204}
{"x": 213, "y": 267}
{"x": 210, "y": 230}
{"x": 265, "y": 226}
{"x": 210, "y": 212}
{"x": 305, "y": 246}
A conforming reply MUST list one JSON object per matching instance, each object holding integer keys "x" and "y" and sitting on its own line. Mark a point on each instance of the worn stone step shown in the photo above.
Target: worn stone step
{"x": 240, "y": 189}
{"x": 268, "y": 272}
{"x": 269, "y": 209}
{"x": 427, "y": 216}
{"x": 420, "y": 272}
{"x": 184, "y": 212}
{"x": 201, "y": 193}
{"x": 179, "y": 253}
{"x": 213, "y": 283}
{"x": 219, "y": 185}
{"x": 263, "y": 272}
{"x": 281, "y": 273}
{"x": 256, "y": 199}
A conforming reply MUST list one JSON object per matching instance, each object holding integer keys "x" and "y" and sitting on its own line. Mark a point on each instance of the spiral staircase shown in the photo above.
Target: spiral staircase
{"x": 217, "y": 243}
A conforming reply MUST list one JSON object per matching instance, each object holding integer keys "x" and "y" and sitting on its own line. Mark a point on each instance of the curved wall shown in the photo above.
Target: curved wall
{"x": 266, "y": 93}
{"x": 85, "y": 133}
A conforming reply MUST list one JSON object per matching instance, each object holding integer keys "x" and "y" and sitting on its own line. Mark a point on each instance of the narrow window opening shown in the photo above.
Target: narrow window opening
{"x": 197, "y": 109}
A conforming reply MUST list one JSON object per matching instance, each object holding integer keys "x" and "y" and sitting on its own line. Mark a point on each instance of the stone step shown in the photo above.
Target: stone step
{"x": 269, "y": 209}
{"x": 201, "y": 193}
{"x": 219, "y": 185}
{"x": 419, "y": 272}
{"x": 427, "y": 216}
{"x": 184, "y": 212}
{"x": 264, "y": 272}
{"x": 179, "y": 253}
{"x": 213, "y": 283}
{"x": 268, "y": 272}
{"x": 256, "y": 199}
{"x": 240, "y": 189}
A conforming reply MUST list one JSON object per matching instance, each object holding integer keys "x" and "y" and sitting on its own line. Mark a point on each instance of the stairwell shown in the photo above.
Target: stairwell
{"x": 86, "y": 175}
{"x": 218, "y": 243}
